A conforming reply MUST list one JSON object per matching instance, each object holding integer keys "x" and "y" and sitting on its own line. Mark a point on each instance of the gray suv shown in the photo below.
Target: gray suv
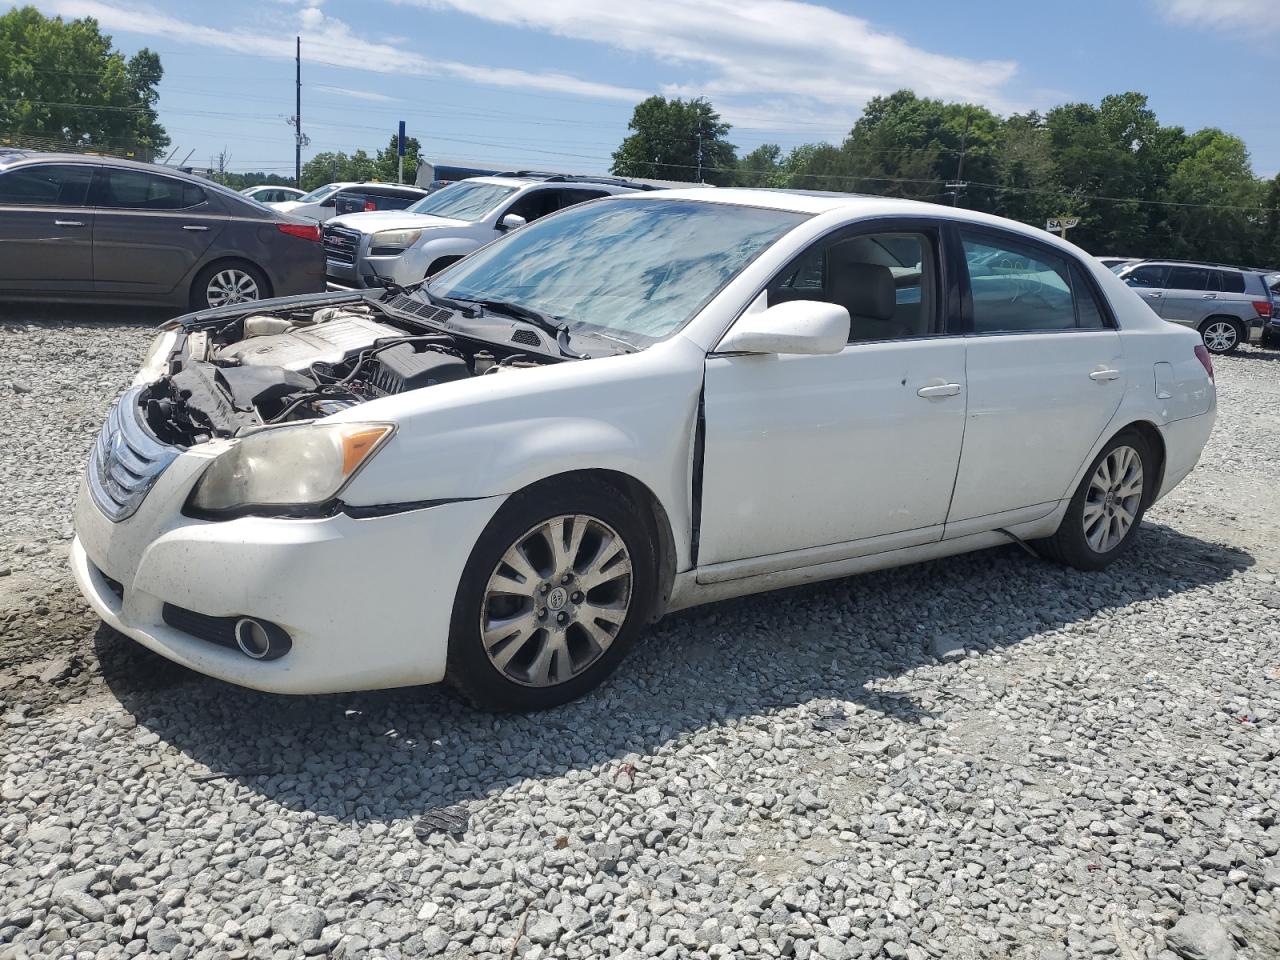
{"x": 77, "y": 227}
{"x": 1228, "y": 305}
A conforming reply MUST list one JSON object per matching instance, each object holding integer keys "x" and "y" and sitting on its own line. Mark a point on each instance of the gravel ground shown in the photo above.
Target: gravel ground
{"x": 987, "y": 756}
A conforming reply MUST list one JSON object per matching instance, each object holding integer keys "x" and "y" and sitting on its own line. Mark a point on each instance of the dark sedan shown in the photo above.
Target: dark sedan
{"x": 84, "y": 227}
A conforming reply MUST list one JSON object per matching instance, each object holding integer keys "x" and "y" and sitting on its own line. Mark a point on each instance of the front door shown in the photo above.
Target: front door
{"x": 1045, "y": 373}
{"x": 46, "y": 231}
{"x": 150, "y": 230}
{"x": 854, "y": 452}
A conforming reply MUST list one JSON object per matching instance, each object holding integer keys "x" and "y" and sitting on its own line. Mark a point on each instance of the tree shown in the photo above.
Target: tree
{"x": 335, "y": 166}
{"x": 63, "y": 87}
{"x": 762, "y": 167}
{"x": 673, "y": 140}
{"x": 385, "y": 163}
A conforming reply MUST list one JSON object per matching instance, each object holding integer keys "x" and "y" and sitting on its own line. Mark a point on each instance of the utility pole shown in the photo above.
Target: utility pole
{"x": 699, "y": 151}
{"x": 959, "y": 184}
{"x": 297, "y": 115}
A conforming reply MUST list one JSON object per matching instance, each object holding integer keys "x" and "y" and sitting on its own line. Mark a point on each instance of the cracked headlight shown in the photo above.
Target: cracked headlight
{"x": 287, "y": 468}
{"x": 391, "y": 243}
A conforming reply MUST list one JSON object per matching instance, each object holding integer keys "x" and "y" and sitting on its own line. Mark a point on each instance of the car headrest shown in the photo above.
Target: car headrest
{"x": 866, "y": 289}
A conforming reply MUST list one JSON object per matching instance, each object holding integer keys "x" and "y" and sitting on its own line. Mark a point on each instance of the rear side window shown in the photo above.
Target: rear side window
{"x": 1149, "y": 275}
{"x": 1231, "y": 282}
{"x": 139, "y": 190}
{"x": 46, "y": 185}
{"x": 1187, "y": 278}
{"x": 1017, "y": 288}
{"x": 1089, "y": 313}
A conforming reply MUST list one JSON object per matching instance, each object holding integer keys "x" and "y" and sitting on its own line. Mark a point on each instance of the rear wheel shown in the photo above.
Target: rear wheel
{"x": 554, "y": 593}
{"x": 1221, "y": 335}
{"x": 223, "y": 284}
{"x": 1103, "y": 516}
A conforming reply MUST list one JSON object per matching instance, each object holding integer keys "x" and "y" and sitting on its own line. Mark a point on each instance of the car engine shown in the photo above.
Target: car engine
{"x": 267, "y": 368}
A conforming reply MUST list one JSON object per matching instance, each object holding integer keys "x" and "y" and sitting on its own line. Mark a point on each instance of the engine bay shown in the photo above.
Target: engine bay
{"x": 287, "y": 365}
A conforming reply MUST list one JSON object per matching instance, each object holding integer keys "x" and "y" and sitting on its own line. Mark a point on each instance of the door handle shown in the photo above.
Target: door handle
{"x": 193, "y": 227}
{"x": 1209, "y": 296}
{"x": 938, "y": 390}
{"x": 68, "y": 223}
{"x": 1103, "y": 374}
{"x": 1153, "y": 296}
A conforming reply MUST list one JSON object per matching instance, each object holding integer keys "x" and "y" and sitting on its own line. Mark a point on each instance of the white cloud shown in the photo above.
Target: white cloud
{"x": 356, "y": 94}
{"x": 1257, "y": 15}
{"x": 801, "y": 58}
{"x": 328, "y": 41}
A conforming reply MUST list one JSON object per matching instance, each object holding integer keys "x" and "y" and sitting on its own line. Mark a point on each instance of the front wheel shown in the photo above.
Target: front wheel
{"x": 555, "y": 591}
{"x": 1103, "y": 516}
{"x": 1221, "y": 336}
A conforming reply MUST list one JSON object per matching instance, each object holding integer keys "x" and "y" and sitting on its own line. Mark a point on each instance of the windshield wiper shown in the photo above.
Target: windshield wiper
{"x": 548, "y": 324}
{"x": 465, "y": 307}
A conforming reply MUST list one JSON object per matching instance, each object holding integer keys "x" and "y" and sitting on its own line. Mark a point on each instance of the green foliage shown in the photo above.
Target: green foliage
{"x": 666, "y": 139}
{"x": 384, "y": 164}
{"x": 331, "y": 167}
{"x": 762, "y": 167}
{"x": 63, "y": 87}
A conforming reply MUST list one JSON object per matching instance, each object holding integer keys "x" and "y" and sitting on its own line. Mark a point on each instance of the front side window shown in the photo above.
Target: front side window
{"x": 638, "y": 269}
{"x": 887, "y": 282}
{"x": 1150, "y": 276}
{"x": 139, "y": 190}
{"x": 1017, "y": 288}
{"x": 466, "y": 200}
{"x": 46, "y": 185}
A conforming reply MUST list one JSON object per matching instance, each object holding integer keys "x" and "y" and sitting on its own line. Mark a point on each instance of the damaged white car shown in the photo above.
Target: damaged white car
{"x": 635, "y": 405}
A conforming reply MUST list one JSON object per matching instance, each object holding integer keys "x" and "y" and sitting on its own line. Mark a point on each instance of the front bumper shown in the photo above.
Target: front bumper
{"x": 367, "y": 602}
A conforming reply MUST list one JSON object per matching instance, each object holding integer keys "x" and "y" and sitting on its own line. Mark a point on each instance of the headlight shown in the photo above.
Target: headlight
{"x": 388, "y": 243}
{"x": 297, "y": 466}
{"x": 154, "y": 363}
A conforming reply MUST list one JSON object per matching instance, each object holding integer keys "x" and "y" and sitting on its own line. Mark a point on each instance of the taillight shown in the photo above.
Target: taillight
{"x": 369, "y": 205}
{"x": 1264, "y": 308}
{"x": 1206, "y": 361}
{"x": 303, "y": 231}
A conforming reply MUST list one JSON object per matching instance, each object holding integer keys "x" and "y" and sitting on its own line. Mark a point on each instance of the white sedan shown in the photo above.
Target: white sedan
{"x": 632, "y": 406}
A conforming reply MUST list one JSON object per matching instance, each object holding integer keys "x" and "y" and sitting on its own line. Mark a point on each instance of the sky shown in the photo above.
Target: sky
{"x": 551, "y": 83}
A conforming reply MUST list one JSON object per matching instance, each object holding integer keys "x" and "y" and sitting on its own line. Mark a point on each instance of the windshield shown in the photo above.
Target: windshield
{"x": 319, "y": 193}
{"x": 467, "y": 200}
{"x": 638, "y": 269}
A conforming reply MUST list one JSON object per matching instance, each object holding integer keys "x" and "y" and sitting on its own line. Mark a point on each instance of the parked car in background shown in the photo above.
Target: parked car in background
{"x": 369, "y": 249}
{"x": 1227, "y": 305}
{"x": 1271, "y": 332}
{"x": 272, "y": 193}
{"x": 368, "y": 197}
{"x": 317, "y": 205}
{"x": 1115, "y": 263}
{"x": 629, "y": 407}
{"x": 74, "y": 226}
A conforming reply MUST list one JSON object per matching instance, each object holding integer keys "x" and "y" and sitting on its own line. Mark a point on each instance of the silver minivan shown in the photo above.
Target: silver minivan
{"x": 1228, "y": 305}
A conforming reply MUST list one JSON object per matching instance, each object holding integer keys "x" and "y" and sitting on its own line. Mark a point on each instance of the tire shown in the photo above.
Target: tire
{"x": 506, "y": 655}
{"x": 1222, "y": 334}
{"x": 1269, "y": 339}
{"x": 1077, "y": 543}
{"x": 242, "y": 280}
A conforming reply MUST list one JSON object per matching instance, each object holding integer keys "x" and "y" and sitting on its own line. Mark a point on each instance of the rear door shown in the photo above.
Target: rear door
{"x": 1190, "y": 294}
{"x": 151, "y": 231}
{"x": 1045, "y": 376}
{"x": 46, "y": 230}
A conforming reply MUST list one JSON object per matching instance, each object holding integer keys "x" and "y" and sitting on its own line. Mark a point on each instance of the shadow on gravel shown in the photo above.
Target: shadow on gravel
{"x": 62, "y": 314}
{"x": 393, "y": 754}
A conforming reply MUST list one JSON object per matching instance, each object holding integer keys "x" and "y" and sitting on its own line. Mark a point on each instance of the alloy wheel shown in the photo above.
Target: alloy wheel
{"x": 231, "y": 285}
{"x": 1220, "y": 336}
{"x": 556, "y": 600}
{"x": 1112, "y": 501}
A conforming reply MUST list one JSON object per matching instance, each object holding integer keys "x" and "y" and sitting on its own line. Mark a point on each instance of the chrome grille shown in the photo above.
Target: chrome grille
{"x": 341, "y": 244}
{"x": 126, "y": 460}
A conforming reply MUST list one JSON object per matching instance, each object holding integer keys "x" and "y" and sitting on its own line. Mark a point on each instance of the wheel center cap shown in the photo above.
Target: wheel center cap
{"x": 557, "y": 598}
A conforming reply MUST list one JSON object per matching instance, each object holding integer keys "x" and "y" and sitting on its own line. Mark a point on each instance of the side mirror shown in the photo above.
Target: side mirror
{"x": 795, "y": 326}
{"x": 512, "y": 221}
